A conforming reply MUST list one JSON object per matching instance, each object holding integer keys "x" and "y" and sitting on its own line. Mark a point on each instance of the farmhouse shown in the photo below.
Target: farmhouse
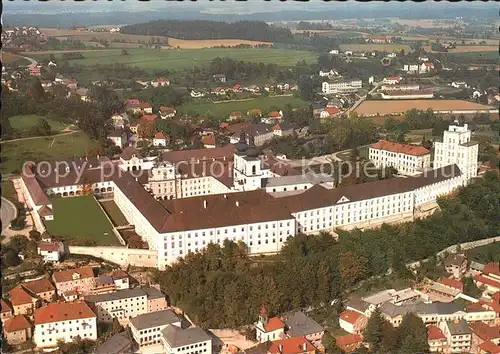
{"x": 160, "y": 81}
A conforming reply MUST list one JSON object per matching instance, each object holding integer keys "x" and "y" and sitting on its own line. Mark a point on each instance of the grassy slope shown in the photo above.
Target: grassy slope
{"x": 38, "y": 149}
{"x": 79, "y": 219}
{"x": 24, "y": 122}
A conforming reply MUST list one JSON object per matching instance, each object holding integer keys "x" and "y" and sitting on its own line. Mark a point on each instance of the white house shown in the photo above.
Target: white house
{"x": 334, "y": 51}
{"x": 146, "y": 328}
{"x": 341, "y": 86}
{"x": 332, "y": 73}
{"x": 269, "y": 329}
{"x": 392, "y": 55}
{"x": 167, "y": 112}
{"x": 459, "y": 84}
{"x": 458, "y": 335}
{"x": 392, "y": 80}
{"x": 51, "y": 251}
{"x": 426, "y": 67}
{"x": 118, "y": 137}
{"x": 63, "y": 321}
{"x": 160, "y": 139}
{"x": 197, "y": 94}
{"x": 160, "y": 82}
{"x": 411, "y": 69}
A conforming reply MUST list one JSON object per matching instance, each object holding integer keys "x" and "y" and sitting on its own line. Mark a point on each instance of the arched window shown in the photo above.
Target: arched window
{"x": 254, "y": 169}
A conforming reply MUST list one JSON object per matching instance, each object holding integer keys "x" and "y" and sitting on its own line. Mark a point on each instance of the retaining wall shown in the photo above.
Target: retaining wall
{"x": 120, "y": 255}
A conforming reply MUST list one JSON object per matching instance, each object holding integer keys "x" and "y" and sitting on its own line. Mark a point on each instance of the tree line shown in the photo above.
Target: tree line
{"x": 310, "y": 270}
{"x": 200, "y": 29}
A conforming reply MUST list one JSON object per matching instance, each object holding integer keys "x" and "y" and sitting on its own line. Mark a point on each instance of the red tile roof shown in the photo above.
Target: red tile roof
{"x": 19, "y": 296}
{"x": 485, "y": 332}
{"x": 160, "y": 135}
{"x": 132, "y": 100}
{"x": 492, "y": 268}
{"x": 434, "y": 333}
{"x": 490, "y": 347}
{"x": 49, "y": 246}
{"x": 487, "y": 281}
{"x": 45, "y": 211}
{"x": 224, "y": 125}
{"x": 349, "y": 339}
{"x": 166, "y": 108}
{"x": 273, "y": 324}
{"x": 149, "y": 117}
{"x": 63, "y": 311}
{"x": 208, "y": 140}
{"x": 332, "y": 110}
{"x": 161, "y": 79}
{"x": 39, "y": 286}
{"x": 145, "y": 105}
{"x": 5, "y": 306}
{"x": 350, "y": 316}
{"x": 16, "y": 323}
{"x": 400, "y": 148}
{"x": 274, "y": 114}
{"x": 294, "y": 345}
{"x": 453, "y": 283}
{"x": 67, "y": 275}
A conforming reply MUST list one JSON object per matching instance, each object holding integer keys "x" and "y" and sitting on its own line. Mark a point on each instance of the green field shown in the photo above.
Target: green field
{"x": 81, "y": 221}
{"x": 114, "y": 213}
{"x": 473, "y": 55}
{"x": 28, "y": 121}
{"x": 221, "y": 111}
{"x": 176, "y": 59}
{"x": 15, "y": 153}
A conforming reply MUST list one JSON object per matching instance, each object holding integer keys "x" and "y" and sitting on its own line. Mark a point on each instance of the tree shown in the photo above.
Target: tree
{"x": 412, "y": 335}
{"x": 306, "y": 88}
{"x": 374, "y": 331}
{"x": 124, "y": 52}
{"x": 116, "y": 327}
{"x": 353, "y": 267}
{"x": 10, "y": 258}
{"x": 35, "y": 235}
{"x": 43, "y": 127}
{"x": 146, "y": 130}
{"x": 470, "y": 287}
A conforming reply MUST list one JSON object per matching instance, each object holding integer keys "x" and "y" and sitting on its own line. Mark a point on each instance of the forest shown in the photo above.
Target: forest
{"x": 222, "y": 287}
{"x": 199, "y": 29}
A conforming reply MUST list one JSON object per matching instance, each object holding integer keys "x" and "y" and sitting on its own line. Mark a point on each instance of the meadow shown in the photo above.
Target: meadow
{"x": 177, "y": 59}
{"x": 373, "y": 46}
{"x": 25, "y": 122}
{"x": 69, "y": 223}
{"x": 67, "y": 146}
{"x": 222, "y": 110}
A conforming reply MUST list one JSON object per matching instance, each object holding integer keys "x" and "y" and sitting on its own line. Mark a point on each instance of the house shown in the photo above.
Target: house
{"x": 35, "y": 70}
{"x": 146, "y": 328}
{"x": 22, "y": 302}
{"x": 149, "y": 117}
{"x": 136, "y": 106}
{"x": 237, "y": 88}
{"x": 459, "y": 84}
{"x": 406, "y": 159}
{"x": 83, "y": 93}
{"x": 348, "y": 52}
{"x": 118, "y": 137}
{"x": 219, "y": 78}
{"x": 392, "y": 80}
{"x": 423, "y": 58}
{"x": 160, "y": 139}
{"x": 260, "y": 132}
{"x": 411, "y": 68}
{"x": 352, "y": 321}
{"x": 50, "y": 251}
{"x": 489, "y": 278}
{"x": 46, "y": 213}
{"x": 452, "y": 283}
{"x": 269, "y": 328}
{"x": 456, "y": 265}
{"x": 489, "y": 347}
{"x": 208, "y": 141}
{"x": 167, "y": 112}
{"x": 426, "y": 67}
{"x": 46, "y": 84}
{"x": 71, "y": 84}
{"x": 436, "y": 339}
{"x": 237, "y": 115}
{"x": 350, "y": 342}
{"x": 458, "y": 335}
{"x": 273, "y": 117}
{"x": 51, "y": 63}
{"x": 156, "y": 299}
{"x": 64, "y": 321}
{"x": 160, "y": 81}
{"x": 6, "y": 310}
{"x": 120, "y": 343}
{"x": 41, "y": 288}
{"x": 293, "y": 345}
{"x": 329, "y": 112}
{"x": 197, "y": 94}
{"x": 334, "y": 52}
{"x": 341, "y": 86}
{"x": 120, "y": 279}
{"x": 253, "y": 88}
{"x": 119, "y": 120}
{"x": 298, "y": 324}
{"x": 392, "y": 55}
{"x": 80, "y": 279}
{"x": 283, "y": 86}
{"x": 332, "y": 73}
{"x": 17, "y": 330}
{"x": 178, "y": 340}
{"x": 283, "y": 129}
{"x": 133, "y": 127}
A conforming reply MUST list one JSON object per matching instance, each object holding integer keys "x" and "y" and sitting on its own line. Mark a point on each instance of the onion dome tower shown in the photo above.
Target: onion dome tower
{"x": 241, "y": 145}
{"x": 252, "y": 150}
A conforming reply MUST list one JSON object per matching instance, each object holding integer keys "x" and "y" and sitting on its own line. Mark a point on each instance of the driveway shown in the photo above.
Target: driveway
{"x": 8, "y": 212}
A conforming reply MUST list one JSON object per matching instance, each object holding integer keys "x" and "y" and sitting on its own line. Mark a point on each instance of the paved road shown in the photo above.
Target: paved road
{"x": 361, "y": 99}
{"x": 8, "y": 212}
{"x": 33, "y": 62}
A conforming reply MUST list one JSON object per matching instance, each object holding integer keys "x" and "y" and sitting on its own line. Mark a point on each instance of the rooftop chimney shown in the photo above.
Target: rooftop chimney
{"x": 280, "y": 348}
{"x": 204, "y": 204}
{"x": 237, "y": 203}
{"x": 304, "y": 346}
{"x": 225, "y": 196}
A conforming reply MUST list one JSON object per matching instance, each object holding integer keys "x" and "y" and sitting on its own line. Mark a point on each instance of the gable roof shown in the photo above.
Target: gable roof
{"x": 178, "y": 337}
{"x": 492, "y": 268}
{"x": 349, "y": 339}
{"x": 291, "y": 346}
{"x": 208, "y": 140}
{"x": 154, "y": 319}
{"x": 160, "y": 135}
{"x": 16, "y": 323}
{"x": 149, "y": 117}
{"x": 67, "y": 275}
{"x": 273, "y": 324}
{"x": 39, "y": 286}
{"x": 453, "y": 283}
{"x": 129, "y": 152}
{"x": 19, "y": 296}
{"x": 45, "y": 211}
{"x": 5, "y": 306}
{"x": 407, "y": 149}
{"x": 350, "y": 316}
{"x": 63, "y": 311}
{"x": 455, "y": 259}
{"x": 299, "y": 324}
{"x": 490, "y": 347}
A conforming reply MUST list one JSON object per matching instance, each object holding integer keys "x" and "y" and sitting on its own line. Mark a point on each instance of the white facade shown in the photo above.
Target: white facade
{"x": 341, "y": 86}
{"x": 457, "y": 148}
{"x": 411, "y": 69}
{"x": 159, "y": 142}
{"x": 47, "y": 334}
{"x": 119, "y": 140}
{"x": 459, "y": 343}
{"x": 391, "y": 80}
{"x": 197, "y": 343}
{"x": 405, "y": 164}
{"x": 114, "y": 305}
{"x": 151, "y": 334}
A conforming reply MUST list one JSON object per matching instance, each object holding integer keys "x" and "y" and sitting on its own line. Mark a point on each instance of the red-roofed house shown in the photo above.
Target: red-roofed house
{"x": 491, "y": 283}
{"x": 41, "y": 288}
{"x": 64, "y": 321}
{"x": 352, "y": 322}
{"x": 51, "y": 251}
{"x": 79, "y": 279}
{"x": 349, "y": 342}
{"x": 22, "y": 302}
{"x": 329, "y": 112}
{"x": 407, "y": 159}
{"x": 209, "y": 141}
{"x": 426, "y": 67}
{"x": 160, "y": 139}
{"x": 167, "y": 112}
{"x": 452, "y": 283}
{"x": 436, "y": 339}
{"x": 149, "y": 117}
{"x": 293, "y": 345}
{"x": 136, "y": 106}
{"x": 17, "y": 330}
{"x": 273, "y": 117}
{"x": 489, "y": 347}
{"x": 160, "y": 81}
{"x": 269, "y": 328}
{"x": 6, "y": 311}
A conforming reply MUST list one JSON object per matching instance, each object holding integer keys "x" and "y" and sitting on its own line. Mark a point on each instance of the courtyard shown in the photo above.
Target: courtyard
{"x": 81, "y": 221}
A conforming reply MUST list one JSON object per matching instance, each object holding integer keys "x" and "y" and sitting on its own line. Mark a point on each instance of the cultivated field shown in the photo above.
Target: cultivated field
{"x": 78, "y": 227}
{"x": 382, "y": 108}
{"x": 173, "y": 59}
{"x": 468, "y": 49}
{"x": 29, "y": 121}
{"x": 221, "y": 111}
{"x": 424, "y": 23}
{"x": 13, "y": 59}
{"x": 14, "y": 153}
{"x": 372, "y": 46}
{"x": 134, "y": 38}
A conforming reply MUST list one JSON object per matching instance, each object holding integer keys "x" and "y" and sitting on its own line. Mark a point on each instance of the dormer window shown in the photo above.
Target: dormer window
{"x": 76, "y": 276}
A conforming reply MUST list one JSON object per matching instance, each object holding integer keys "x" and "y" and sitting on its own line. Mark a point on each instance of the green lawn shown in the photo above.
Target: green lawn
{"x": 472, "y": 56}
{"x": 222, "y": 110}
{"x": 176, "y": 59}
{"x": 28, "y": 121}
{"x": 81, "y": 221}
{"x": 114, "y": 213}
{"x": 15, "y": 153}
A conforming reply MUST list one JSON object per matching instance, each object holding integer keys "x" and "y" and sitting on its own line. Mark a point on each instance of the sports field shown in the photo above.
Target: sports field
{"x": 14, "y": 153}
{"x": 81, "y": 221}
{"x": 176, "y": 59}
{"x": 25, "y": 122}
{"x": 221, "y": 111}
{"x": 383, "y": 107}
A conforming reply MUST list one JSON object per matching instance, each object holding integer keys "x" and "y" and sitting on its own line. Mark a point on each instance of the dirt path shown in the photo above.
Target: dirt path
{"x": 66, "y": 131}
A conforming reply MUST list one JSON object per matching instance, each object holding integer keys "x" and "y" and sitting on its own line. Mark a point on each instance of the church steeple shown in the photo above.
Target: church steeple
{"x": 263, "y": 314}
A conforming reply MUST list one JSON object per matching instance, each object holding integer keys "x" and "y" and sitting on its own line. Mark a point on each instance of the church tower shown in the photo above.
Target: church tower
{"x": 247, "y": 171}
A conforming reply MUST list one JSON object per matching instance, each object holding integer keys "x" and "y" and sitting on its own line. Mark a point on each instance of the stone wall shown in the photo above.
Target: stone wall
{"x": 120, "y": 255}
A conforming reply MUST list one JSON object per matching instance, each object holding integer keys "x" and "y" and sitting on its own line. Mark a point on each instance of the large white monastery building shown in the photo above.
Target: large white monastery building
{"x": 184, "y": 200}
